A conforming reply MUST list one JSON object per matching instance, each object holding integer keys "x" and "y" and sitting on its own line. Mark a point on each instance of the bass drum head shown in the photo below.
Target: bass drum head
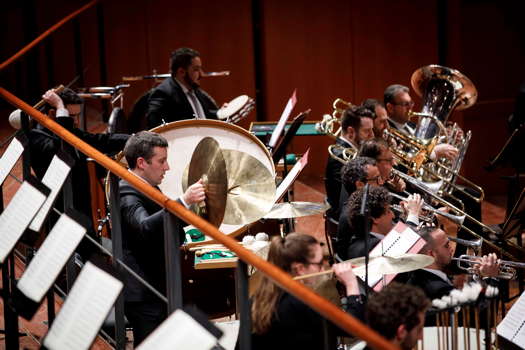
{"x": 183, "y": 136}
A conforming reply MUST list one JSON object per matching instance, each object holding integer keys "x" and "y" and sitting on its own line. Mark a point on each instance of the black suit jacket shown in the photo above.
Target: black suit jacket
{"x": 433, "y": 286}
{"x": 333, "y": 183}
{"x": 169, "y": 103}
{"x": 142, "y": 242}
{"x": 357, "y": 249}
{"x": 44, "y": 144}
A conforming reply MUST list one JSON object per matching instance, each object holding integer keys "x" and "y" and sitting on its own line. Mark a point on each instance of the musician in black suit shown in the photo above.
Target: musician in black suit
{"x": 434, "y": 279}
{"x": 398, "y": 104}
{"x": 351, "y": 243}
{"x": 380, "y": 115}
{"x": 143, "y": 233}
{"x": 356, "y": 127}
{"x": 180, "y": 97}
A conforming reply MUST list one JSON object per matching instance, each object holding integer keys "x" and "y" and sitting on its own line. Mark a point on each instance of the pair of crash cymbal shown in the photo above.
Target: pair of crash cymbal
{"x": 239, "y": 188}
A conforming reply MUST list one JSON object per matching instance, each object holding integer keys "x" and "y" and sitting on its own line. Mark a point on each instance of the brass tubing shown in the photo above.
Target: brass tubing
{"x": 283, "y": 279}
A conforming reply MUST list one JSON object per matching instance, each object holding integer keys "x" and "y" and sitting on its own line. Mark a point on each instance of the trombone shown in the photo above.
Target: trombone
{"x": 507, "y": 268}
{"x": 461, "y": 213}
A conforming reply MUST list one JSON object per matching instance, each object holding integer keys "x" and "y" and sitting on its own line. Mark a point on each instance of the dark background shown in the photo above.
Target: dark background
{"x": 325, "y": 49}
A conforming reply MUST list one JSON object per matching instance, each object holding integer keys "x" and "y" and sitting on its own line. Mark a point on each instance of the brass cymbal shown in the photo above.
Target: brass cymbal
{"x": 251, "y": 188}
{"x": 295, "y": 210}
{"x": 385, "y": 265}
{"x": 207, "y": 163}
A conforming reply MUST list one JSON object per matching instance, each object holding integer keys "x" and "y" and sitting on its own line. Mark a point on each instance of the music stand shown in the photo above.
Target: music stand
{"x": 515, "y": 222}
{"x": 282, "y": 144}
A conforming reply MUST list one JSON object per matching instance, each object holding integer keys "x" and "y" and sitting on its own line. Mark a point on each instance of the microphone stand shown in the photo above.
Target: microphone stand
{"x": 364, "y": 213}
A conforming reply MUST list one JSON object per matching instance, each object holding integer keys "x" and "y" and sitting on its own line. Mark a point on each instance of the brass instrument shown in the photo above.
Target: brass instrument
{"x": 457, "y": 219}
{"x": 507, "y": 268}
{"x": 342, "y": 154}
{"x": 425, "y": 189}
{"x": 331, "y": 123}
{"x": 475, "y": 245}
{"x": 443, "y": 89}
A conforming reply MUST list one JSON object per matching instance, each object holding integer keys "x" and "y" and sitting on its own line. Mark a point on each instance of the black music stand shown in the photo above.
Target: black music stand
{"x": 280, "y": 152}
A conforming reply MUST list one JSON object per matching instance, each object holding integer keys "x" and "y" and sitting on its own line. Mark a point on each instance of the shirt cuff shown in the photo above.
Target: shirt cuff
{"x": 62, "y": 112}
{"x": 184, "y": 203}
{"x": 413, "y": 219}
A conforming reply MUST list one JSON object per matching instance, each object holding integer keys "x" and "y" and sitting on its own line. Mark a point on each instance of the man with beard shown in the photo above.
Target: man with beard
{"x": 379, "y": 114}
{"x": 356, "y": 127}
{"x": 433, "y": 279}
{"x": 180, "y": 97}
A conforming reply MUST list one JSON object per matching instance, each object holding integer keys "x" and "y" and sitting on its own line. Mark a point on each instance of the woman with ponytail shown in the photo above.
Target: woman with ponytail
{"x": 281, "y": 321}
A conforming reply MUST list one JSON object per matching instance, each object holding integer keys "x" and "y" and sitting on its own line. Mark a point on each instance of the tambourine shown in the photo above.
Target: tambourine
{"x": 237, "y": 109}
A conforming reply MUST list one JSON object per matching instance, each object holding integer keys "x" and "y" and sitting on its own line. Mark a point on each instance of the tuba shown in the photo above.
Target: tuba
{"x": 443, "y": 90}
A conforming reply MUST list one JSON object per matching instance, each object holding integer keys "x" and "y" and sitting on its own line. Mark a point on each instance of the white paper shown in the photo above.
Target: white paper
{"x": 84, "y": 310}
{"x": 180, "y": 331}
{"x": 394, "y": 244}
{"x": 513, "y": 325}
{"x": 51, "y": 258}
{"x": 291, "y": 176}
{"x": 54, "y": 178}
{"x": 282, "y": 121}
{"x": 17, "y": 215}
{"x": 9, "y": 158}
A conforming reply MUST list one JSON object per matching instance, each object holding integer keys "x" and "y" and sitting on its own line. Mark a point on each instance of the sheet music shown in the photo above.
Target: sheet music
{"x": 292, "y": 175}
{"x": 84, "y": 310}
{"x": 282, "y": 121}
{"x": 54, "y": 178}
{"x": 513, "y": 325}
{"x": 179, "y": 331}
{"x": 51, "y": 258}
{"x": 396, "y": 242}
{"x": 17, "y": 215}
{"x": 9, "y": 158}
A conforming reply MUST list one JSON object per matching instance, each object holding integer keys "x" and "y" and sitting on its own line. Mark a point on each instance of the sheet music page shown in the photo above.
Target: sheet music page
{"x": 54, "y": 178}
{"x": 396, "y": 242}
{"x": 17, "y": 215}
{"x": 513, "y": 325}
{"x": 292, "y": 175}
{"x": 84, "y": 310}
{"x": 282, "y": 121}
{"x": 9, "y": 158}
{"x": 51, "y": 258}
{"x": 179, "y": 331}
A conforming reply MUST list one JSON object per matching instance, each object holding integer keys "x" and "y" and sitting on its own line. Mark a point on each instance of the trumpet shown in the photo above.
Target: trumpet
{"x": 507, "y": 268}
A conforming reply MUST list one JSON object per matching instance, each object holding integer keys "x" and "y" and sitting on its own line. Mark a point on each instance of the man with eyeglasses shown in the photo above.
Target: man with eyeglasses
{"x": 398, "y": 104}
{"x": 356, "y": 127}
{"x": 44, "y": 144}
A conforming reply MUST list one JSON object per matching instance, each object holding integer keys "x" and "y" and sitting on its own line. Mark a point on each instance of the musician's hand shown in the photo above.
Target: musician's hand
{"x": 195, "y": 193}
{"x": 413, "y": 204}
{"x": 444, "y": 150}
{"x": 52, "y": 98}
{"x": 489, "y": 266}
{"x": 346, "y": 276}
{"x": 398, "y": 184}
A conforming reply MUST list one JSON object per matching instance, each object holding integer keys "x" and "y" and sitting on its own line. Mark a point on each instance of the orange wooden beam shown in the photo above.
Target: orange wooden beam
{"x": 46, "y": 34}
